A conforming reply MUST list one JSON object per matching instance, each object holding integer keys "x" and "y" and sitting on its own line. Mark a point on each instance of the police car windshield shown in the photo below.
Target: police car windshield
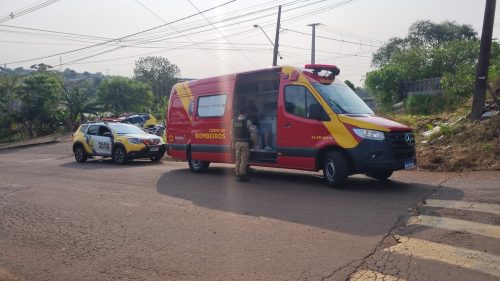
{"x": 123, "y": 129}
{"x": 342, "y": 99}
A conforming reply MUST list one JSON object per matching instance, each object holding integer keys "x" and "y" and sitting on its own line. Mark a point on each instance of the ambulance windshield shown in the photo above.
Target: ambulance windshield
{"x": 342, "y": 99}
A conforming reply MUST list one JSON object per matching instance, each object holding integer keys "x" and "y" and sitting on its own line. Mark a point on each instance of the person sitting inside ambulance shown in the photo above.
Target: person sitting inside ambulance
{"x": 260, "y": 134}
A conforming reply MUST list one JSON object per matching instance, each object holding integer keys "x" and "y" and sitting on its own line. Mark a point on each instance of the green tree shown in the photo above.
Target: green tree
{"x": 494, "y": 72}
{"x": 430, "y": 50}
{"x": 41, "y": 67}
{"x": 161, "y": 75}
{"x": 9, "y": 88}
{"x": 40, "y": 98}
{"x": 119, "y": 95}
{"x": 424, "y": 34}
{"x": 78, "y": 100}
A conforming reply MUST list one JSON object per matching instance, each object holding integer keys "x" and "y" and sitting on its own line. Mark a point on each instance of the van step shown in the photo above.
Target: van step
{"x": 263, "y": 156}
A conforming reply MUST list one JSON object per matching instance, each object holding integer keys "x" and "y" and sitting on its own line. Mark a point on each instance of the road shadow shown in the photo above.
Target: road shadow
{"x": 364, "y": 207}
{"x": 107, "y": 163}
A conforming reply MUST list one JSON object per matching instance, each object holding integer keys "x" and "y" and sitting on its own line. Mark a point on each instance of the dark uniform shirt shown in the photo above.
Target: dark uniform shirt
{"x": 241, "y": 132}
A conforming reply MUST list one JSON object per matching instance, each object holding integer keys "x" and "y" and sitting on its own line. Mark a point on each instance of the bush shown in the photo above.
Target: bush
{"x": 425, "y": 104}
{"x": 458, "y": 87}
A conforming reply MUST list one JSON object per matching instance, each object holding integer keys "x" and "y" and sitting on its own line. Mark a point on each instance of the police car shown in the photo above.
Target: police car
{"x": 122, "y": 142}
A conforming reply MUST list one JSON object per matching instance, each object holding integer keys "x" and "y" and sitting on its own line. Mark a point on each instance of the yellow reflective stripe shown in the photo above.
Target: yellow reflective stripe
{"x": 185, "y": 95}
{"x": 362, "y": 124}
{"x": 340, "y": 133}
{"x": 289, "y": 69}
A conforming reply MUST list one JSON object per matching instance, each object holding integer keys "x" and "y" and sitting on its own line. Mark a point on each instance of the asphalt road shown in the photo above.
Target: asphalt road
{"x": 62, "y": 220}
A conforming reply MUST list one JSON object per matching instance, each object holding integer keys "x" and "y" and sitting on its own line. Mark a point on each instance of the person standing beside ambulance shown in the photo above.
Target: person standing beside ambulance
{"x": 241, "y": 143}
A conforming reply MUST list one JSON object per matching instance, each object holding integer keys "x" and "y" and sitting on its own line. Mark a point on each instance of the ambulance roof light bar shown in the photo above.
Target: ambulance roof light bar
{"x": 326, "y": 67}
{"x": 330, "y": 72}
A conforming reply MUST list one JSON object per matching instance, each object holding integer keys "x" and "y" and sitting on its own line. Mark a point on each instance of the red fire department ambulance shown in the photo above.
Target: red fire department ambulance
{"x": 311, "y": 121}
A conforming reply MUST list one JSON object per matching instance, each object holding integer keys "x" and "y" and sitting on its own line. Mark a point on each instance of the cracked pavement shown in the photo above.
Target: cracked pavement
{"x": 61, "y": 220}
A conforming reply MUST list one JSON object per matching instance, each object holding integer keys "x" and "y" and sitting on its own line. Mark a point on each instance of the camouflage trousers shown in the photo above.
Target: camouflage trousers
{"x": 242, "y": 154}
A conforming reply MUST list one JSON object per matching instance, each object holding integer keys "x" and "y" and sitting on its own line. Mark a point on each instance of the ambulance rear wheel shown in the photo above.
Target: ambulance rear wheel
{"x": 335, "y": 169}
{"x": 197, "y": 166}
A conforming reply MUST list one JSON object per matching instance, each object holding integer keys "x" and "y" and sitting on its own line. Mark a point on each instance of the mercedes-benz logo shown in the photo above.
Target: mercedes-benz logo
{"x": 409, "y": 139}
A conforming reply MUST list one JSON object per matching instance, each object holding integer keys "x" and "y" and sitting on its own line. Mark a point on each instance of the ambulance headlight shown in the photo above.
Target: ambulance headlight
{"x": 369, "y": 134}
{"x": 134, "y": 141}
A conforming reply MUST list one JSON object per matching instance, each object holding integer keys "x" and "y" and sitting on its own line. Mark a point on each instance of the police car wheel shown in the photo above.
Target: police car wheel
{"x": 335, "y": 169}
{"x": 380, "y": 175}
{"x": 156, "y": 158}
{"x": 197, "y": 166}
{"x": 80, "y": 154}
{"x": 119, "y": 155}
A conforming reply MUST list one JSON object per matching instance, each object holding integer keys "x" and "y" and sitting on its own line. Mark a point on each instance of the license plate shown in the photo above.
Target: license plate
{"x": 153, "y": 148}
{"x": 409, "y": 164}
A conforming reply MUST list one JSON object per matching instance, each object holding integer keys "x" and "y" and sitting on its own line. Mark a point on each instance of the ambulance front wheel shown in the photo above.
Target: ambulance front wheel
{"x": 335, "y": 169}
{"x": 197, "y": 166}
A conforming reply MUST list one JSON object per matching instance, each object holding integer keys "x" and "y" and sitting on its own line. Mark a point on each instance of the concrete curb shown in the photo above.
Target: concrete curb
{"x": 36, "y": 141}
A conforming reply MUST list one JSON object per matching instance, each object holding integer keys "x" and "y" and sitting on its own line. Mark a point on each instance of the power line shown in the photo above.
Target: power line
{"x": 320, "y": 10}
{"x": 342, "y": 32}
{"x": 162, "y": 50}
{"x": 151, "y": 41}
{"x": 57, "y": 32}
{"x": 204, "y": 31}
{"x": 32, "y": 8}
{"x": 157, "y": 39}
{"x": 220, "y": 33}
{"x": 221, "y": 18}
{"x": 121, "y": 38}
{"x": 199, "y": 12}
{"x": 327, "y": 52}
{"x": 334, "y": 39}
{"x": 224, "y": 20}
{"x": 120, "y": 42}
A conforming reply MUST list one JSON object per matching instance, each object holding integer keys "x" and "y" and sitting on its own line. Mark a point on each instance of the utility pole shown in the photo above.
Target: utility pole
{"x": 313, "y": 42}
{"x": 484, "y": 61}
{"x": 277, "y": 38}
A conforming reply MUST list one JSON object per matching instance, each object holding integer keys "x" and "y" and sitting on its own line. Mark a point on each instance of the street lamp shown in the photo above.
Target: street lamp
{"x": 258, "y": 26}
{"x": 275, "y": 49}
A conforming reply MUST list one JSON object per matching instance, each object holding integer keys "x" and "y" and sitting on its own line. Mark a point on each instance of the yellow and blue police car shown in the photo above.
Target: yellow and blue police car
{"x": 122, "y": 142}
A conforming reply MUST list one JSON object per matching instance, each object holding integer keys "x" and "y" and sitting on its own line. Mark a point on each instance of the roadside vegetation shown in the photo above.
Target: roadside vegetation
{"x": 451, "y": 142}
{"x": 445, "y": 52}
{"x": 40, "y": 101}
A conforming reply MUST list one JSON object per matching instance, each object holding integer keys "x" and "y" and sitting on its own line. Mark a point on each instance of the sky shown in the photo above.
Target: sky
{"x": 207, "y": 38}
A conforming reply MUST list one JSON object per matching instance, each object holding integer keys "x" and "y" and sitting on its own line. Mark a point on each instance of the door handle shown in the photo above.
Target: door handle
{"x": 287, "y": 125}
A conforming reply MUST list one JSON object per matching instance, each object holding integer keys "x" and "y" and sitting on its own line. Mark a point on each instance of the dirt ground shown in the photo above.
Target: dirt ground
{"x": 457, "y": 143}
